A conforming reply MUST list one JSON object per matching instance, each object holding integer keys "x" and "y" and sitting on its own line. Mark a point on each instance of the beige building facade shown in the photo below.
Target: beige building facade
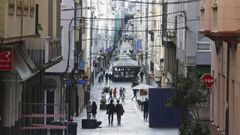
{"x": 24, "y": 57}
{"x": 220, "y": 22}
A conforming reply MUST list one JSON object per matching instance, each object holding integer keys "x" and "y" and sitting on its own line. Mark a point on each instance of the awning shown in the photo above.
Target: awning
{"x": 22, "y": 64}
{"x": 125, "y": 63}
{"x": 142, "y": 86}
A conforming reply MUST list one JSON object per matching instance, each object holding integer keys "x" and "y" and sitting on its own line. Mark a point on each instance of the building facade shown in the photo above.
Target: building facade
{"x": 24, "y": 57}
{"x": 220, "y": 23}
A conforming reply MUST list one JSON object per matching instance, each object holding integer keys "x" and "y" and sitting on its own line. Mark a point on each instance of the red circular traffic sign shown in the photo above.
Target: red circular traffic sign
{"x": 208, "y": 80}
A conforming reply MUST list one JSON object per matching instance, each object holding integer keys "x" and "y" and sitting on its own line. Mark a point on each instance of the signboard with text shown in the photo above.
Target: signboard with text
{"x": 6, "y": 59}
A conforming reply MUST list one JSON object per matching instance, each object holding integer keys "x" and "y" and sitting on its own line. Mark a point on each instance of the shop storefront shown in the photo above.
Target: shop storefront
{"x": 19, "y": 82}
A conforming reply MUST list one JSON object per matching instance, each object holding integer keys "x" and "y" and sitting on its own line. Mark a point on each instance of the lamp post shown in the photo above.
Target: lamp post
{"x": 74, "y": 76}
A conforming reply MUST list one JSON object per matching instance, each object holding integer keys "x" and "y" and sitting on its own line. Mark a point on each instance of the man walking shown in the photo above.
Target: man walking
{"x": 141, "y": 75}
{"x": 119, "y": 110}
{"x": 110, "y": 111}
{"x": 134, "y": 94}
{"x": 145, "y": 109}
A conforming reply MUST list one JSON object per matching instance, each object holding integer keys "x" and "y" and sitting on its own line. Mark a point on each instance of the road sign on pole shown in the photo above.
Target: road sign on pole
{"x": 208, "y": 80}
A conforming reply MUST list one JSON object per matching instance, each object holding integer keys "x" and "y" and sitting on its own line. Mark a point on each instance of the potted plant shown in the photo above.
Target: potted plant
{"x": 106, "y": 89}
{"x": 103, "y": 102}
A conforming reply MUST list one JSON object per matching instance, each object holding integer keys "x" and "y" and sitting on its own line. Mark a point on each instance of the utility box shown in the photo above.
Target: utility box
{"x": 159, "y": 114}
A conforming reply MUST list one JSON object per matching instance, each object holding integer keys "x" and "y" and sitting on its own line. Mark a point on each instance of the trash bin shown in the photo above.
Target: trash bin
{"x": 72, "y": 128}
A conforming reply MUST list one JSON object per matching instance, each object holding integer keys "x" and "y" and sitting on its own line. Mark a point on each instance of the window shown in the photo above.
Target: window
{"x": 31, "y": 8}
{"x": 203, "y": 46}
{"x": 11, "y": 7}
{"x": 25, "y": 7}
{"x": 19, "y": 7}
{"x": 215, "y": 4}
{"x": 83, "y": 25}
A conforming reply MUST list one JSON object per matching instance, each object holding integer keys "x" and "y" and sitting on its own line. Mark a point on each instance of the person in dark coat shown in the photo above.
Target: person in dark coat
{"x": 110, "y": 111}
{"x": 145, "y": 109}
{"x": 141, "y": 75}
{"x": 119, "y": 110}
{"x": 134, "y": 94}
{"x": 94, "y": 109}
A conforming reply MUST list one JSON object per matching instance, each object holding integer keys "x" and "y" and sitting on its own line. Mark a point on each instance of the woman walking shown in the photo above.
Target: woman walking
{"x": 94, "y": 109}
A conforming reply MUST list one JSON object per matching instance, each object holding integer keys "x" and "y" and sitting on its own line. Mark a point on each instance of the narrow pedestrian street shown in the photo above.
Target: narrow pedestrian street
{"x": 132, "y": 120}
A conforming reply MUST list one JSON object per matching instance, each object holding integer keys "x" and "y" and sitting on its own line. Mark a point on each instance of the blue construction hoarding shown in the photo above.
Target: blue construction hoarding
{"x": 161, "y": 115}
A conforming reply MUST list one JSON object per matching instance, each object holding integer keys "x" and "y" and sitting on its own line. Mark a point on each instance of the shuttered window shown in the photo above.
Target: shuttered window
{"x": 25, "y": 7}
{"x": 11, "y": 7}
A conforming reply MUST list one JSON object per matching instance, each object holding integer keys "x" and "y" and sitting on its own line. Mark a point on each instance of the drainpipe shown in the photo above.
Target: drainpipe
{"x": 21, "y": 37}
{"x": 185, "y": 40}
{"x": 227, "y": 90}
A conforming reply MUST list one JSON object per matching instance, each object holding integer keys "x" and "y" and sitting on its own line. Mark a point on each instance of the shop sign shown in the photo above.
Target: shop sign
{"x": 6, "y": 59}
{"x": 82, "y": 81}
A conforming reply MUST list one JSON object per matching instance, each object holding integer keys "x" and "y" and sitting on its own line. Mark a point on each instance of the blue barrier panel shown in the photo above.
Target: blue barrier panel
{"x": 159, "y": 114}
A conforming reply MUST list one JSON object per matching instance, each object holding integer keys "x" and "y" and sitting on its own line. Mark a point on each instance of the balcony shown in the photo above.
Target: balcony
{"x": 170, "y": 39}
{"x": 220, "y": 20}
{"x": 44, "y": 52}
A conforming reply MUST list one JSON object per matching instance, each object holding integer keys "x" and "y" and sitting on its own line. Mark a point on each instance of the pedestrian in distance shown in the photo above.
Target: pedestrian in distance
{"x": 89, "y": 110}
{"x": 106, "y": 77}
{"x": 120, "y": 93}
{"x": 145, "y": 109}
{"x": 110, "y": 112}
{"x": 123, "y": 94}
{"x": 110, "y": 76}
{"x": 134, "y": 94}
{"x": 141, "y": 75}
{"x": 115, "y": 93}
{"x": 94, "y": 109}
{"x": 110, "y": 94}
{"x": 119, "y": 111}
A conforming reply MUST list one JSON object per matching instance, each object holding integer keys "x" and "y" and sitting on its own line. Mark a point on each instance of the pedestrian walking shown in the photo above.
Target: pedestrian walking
{"x": 110, "y": 112}
{"x": 94, "y": 109}
{"x": 145, "y": 109}
{"x": 110, "y": 76}
{"x": 110, "y": 94}
{"x": 89, "y": 110}
{"x": 106, "y": 77}
{"x": 115, "y": 93}
{"x": 123, "y": 94}
{"x": 141, "y": 75}
{"x": 134, "y": 94}
{"x": 119, "y": 111}
{"x": 120, "y": 93}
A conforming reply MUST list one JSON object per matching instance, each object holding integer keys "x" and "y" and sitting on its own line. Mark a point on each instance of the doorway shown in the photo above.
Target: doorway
{"x": 50, "y": 105}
